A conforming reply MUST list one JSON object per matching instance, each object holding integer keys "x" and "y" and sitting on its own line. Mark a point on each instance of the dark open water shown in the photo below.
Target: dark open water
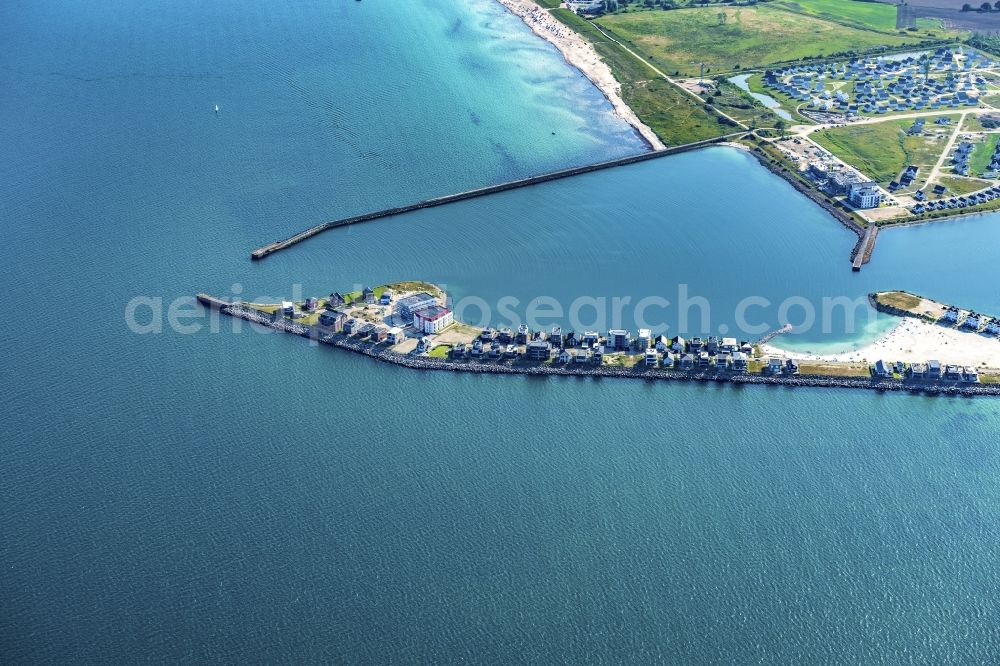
{"x": 242, "y": 498}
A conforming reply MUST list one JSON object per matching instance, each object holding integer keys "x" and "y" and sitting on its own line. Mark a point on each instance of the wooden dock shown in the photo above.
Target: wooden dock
{"x": 770, "y": 335}
{"x": 277, "y": 246}
{"x": 863, "y": 251}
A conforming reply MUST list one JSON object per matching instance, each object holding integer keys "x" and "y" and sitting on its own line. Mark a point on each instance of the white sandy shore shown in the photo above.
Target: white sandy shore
{"x": 579, "y": 53}
{"x": 915, "y": 341}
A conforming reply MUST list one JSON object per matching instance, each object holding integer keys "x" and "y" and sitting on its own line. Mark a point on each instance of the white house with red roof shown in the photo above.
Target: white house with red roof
{"x": 432, "y": 319}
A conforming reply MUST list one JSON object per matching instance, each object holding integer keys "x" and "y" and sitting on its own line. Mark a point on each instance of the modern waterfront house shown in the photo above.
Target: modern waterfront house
{"x": 597, "y": 354}
{"x": 334, "y": 321}
{"x": 618, "y": 339}
{"x": 538, "y": 350}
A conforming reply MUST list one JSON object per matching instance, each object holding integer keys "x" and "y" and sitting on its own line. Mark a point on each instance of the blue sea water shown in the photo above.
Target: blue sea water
{"x": 237, "y": 497}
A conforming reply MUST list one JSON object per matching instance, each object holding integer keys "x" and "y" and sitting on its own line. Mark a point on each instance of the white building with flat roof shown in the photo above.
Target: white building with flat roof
{"x": 643, "y": 339}
{"x": 432, "y": 319}
{"x": 865, "y": 195}
{"x": 406, "y": 306}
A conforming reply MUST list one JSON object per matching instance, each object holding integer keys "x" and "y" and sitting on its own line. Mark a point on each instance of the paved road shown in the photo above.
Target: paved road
{"x": 947, "y": 149}
{"x": 803, "y": 130}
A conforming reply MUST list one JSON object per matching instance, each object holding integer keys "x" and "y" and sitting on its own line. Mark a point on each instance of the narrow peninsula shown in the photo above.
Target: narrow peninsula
{"x": 409, "y": 324}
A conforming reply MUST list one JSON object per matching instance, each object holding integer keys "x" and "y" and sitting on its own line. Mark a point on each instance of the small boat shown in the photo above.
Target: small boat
{"x": 216, "y": 108}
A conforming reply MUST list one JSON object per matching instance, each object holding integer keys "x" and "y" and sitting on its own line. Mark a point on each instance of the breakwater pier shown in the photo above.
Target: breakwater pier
{"x": 277, "y": 246}
{"x": 866, "y": 244}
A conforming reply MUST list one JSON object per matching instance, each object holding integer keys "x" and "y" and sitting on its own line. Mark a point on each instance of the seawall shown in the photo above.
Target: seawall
{"x": 277, "y": 246}
{"x": 864, "y": 246}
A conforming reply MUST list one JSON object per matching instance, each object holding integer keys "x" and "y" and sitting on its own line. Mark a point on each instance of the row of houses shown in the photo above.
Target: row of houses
{"x": 543, "y": 350}
{"x": 960, "y": 158}
{"x": 932, "y": 370}
{"x": 973, "y": 321}
{"x": 616, "y": 340}
{"x": 955, "y": 203}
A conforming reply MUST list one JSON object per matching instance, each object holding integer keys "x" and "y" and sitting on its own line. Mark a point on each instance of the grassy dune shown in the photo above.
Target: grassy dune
{"x": 676, "y": 117}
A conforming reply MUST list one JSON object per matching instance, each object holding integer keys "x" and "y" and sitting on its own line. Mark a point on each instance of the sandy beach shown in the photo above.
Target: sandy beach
{"x": 579, "y": 53}
{"x": 914, "y": 340}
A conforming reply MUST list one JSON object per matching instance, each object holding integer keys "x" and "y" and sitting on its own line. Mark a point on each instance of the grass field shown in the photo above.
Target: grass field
{"x": 898, "y": 299}
{"x": 441, "y": 351}
{"x": 869, "y": 15}
{"x": 834, "y": 369}
{"x": 549, "y": 4}
{"x": 972, "y": 124}
{"x": 982, "y": 155}
{"x": 959, "y": 186}
{"x": 750, "y": 37}
{"x": 881, "y": 150}
{"x": 676, "y": 117}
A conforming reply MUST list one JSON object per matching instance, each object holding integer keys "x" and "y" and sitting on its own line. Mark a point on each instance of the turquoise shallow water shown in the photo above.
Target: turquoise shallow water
{"x": 237, "y": 497}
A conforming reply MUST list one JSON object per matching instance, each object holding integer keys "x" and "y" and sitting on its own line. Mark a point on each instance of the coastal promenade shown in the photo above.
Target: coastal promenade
{"x": 277, "y": 246}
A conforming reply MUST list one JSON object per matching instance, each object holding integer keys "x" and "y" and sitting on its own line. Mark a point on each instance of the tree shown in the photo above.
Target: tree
{"x": 722, "y": 18}
{"x": 996, "y": 5}
{"x": 986, "y": 7}
{"x": 966, "y": 7}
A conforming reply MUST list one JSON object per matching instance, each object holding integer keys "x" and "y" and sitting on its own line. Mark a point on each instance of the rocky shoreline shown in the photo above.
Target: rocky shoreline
{"x": 379, "y": 352}
{"x": 838, "y": 214}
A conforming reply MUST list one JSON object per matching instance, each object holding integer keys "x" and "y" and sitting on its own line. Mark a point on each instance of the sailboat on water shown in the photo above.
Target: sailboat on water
{"x": 216, "y": 108}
